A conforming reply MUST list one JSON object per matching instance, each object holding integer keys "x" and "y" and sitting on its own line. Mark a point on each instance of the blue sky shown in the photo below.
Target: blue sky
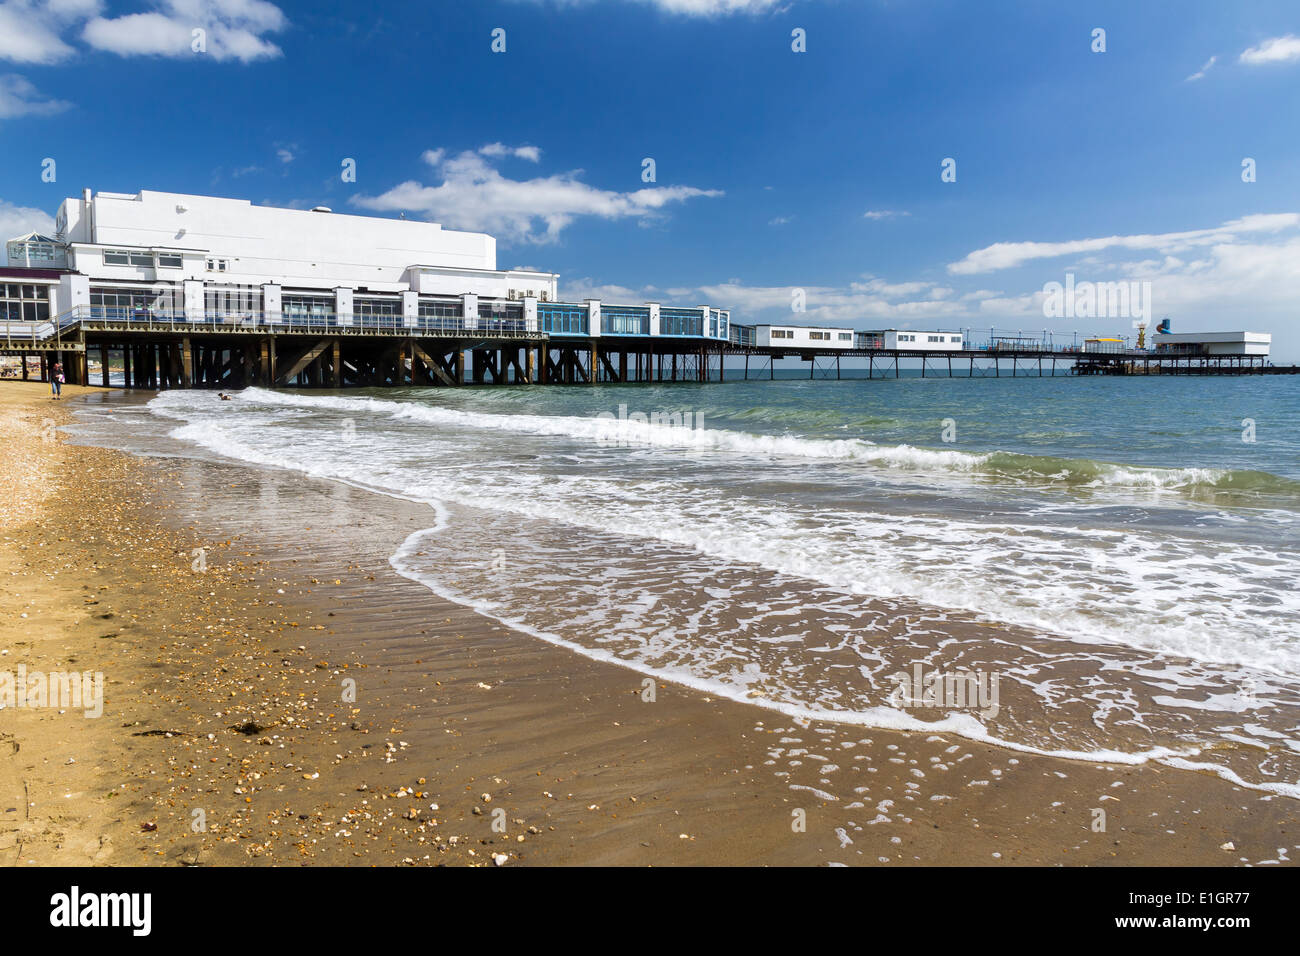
{"x": 775, "y": 170}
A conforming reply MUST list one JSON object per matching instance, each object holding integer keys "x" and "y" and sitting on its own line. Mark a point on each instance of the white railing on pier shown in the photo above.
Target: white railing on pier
{"x": 15, "y": 333}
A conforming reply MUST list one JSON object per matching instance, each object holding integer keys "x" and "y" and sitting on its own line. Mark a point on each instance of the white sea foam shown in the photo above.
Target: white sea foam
{"x": 660, "y": 435}
{"x": 1165, "y": 595}
{"x": 958, "y": 724}
{"x": 1176, "y": 597}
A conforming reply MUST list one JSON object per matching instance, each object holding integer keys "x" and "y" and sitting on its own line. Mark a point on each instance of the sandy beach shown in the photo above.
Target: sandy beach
{"x": 276, "y": 694}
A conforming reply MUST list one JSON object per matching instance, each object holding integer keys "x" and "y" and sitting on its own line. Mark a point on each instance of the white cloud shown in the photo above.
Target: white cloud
{"x": 1237, "y": 283}
{"x": 578, "y": 290}
{"x": 699, "y": 8}
{"x": 780, "y": 221}
{"x": 285, "y": 155}
{"x": 880, "y": 287}
{"x": 19, "y": 98}
{"x": 30, "y": 30}
{"x": 500, "y": 151}
{"x": 234, "y": 30}
{"x": 860, "y": 304}
{"x": 35, "y": 31}
{"x": 20, "y": 220}
{"x": 1244, "y": 274}
{"x": 1006, "y": 255}
{"x": 1274, "y": 50}
{"x": 474, "y": 195}
{"x": 714, "y": 8}
{"x": 1203, "y": 70}
{"x": 883, "y": 214}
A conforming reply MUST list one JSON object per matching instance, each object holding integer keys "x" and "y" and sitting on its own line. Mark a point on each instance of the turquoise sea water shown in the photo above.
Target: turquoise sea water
{"x": 1123, "y": 553}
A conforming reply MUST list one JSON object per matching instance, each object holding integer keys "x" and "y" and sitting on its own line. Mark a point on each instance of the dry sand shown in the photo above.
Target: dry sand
{"x": 226, "y": 737}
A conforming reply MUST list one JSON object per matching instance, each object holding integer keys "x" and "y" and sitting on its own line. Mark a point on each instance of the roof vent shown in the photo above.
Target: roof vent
{"x": 321, "y": 209}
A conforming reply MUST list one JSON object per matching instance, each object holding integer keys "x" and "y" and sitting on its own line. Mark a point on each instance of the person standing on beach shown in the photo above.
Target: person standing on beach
{"x": 56, "y": 379}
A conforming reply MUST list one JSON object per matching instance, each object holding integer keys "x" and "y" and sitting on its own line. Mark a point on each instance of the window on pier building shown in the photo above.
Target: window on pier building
{"x": 386, "y": 310}
{"x": 681, "y": 322}
{"x": 24, "y": 303}
{"x": 127, "y": 257}
{"x": 624, "y": 320}
{"x": 721, "y": 323}
{"x": 306, "y": 305}
{"x": 435, "y": 309}
{"x": 36, "y": 251}
{"x": 126, "y": 304}
{"x": 221, "y": 302}
{"x": 503, "y": 309}
{"x": 501, "y": 315}
{"x": 563, "y": 319}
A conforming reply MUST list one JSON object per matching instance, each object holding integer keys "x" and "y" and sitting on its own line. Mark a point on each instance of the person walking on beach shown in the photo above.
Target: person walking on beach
{"x": 56, "y": 379}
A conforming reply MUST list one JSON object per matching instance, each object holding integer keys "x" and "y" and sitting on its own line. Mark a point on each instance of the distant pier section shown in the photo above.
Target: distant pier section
{"x": 150, "y": 290}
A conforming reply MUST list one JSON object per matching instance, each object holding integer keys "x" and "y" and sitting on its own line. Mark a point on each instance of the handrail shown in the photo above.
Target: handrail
{"x": 163, "y": 320}
{"x": 17, "y": 333}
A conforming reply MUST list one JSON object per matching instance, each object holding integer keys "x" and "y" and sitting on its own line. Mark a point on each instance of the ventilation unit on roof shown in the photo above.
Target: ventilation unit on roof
{"x": 321, "y": 209}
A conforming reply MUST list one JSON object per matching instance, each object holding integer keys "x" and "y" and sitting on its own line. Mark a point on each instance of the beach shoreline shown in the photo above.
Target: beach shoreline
{"x": 229, "y": 607}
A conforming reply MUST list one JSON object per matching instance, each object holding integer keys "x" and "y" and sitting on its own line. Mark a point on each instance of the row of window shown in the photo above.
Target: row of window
{"x": 245, "y": 300}
{"x": 681, "y": 322}
{"x": 11, "y": 311}
{"x": 134, "y": 257}
{"x": 911, "y": 337}
{"x": 497, "y": 309}
{"x": 814, "y": 335}
{"x": 440, "y": 310}
{"x": 624, "y": 321}
{"x": 129, "y": 299}
{"x": 237, "y": 300}
{"x": 563, "y": 319}
{"x": 37, "y": 293}
{"x": 718, "y": 323}
{"x": 30, "y": 252}
{"x": 375, "y": 307}
{"x": 306, "y": 305}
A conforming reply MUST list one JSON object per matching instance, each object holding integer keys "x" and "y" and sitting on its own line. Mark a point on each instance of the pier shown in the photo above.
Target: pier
{"x": 237, "y": 350}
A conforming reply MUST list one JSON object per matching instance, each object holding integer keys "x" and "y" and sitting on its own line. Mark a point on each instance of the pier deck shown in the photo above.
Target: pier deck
{"x": 237, "y": 350}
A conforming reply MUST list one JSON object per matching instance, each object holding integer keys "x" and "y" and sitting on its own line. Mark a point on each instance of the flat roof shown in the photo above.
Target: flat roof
{"x": 22, "y": 272}
{"x": 811, "y": 328}
{"x": 1241, "y": 336}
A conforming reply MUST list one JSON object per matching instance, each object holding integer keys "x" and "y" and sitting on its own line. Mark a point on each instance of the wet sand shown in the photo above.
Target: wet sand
{"x": 228, "y": 736}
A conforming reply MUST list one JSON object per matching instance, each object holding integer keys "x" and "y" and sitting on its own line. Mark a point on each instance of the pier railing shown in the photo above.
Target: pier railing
{"x": 15, "y": 334}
